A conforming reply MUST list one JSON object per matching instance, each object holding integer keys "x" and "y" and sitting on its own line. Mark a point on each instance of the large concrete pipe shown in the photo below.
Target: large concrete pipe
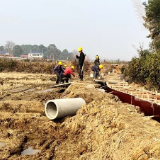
{"x": 59, "y": 108}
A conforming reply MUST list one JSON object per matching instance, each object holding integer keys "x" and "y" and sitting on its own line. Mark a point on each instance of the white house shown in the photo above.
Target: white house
{"x": 35, "y": 55}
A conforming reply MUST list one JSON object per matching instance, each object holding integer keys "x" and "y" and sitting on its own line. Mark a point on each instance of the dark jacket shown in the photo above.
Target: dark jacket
{"x": 95, "y": 69}
{"x": 97, "y": 62}
{"x": 81, "y": 59}
{"x": 58, "y": 69}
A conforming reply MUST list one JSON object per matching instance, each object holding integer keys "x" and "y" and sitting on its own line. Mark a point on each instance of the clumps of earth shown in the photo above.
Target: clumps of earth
{"x": 104, "y": 128}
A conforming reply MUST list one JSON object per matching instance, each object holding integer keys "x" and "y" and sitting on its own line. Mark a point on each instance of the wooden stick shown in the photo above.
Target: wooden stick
{"x": 61, "y": 85}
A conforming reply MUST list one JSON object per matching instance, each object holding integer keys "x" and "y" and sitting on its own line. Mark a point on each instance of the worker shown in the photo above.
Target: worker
{"x": 67, "y": 74}
{"x": 58, "y": 70}
{"x": 64, "y": 67}
{"x": 96, "y": 70}
{"x": 81, "y": 62}
{"x": 97, "y": 61}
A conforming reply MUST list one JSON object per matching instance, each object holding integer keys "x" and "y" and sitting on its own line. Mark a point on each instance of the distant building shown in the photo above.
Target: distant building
{"x": 35, "y": 55}
{"x": 5, "y": 54}
{"x": 24, "y": 56}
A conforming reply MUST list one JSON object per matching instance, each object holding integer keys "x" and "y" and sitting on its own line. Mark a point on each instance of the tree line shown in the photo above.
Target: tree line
{"x": 49, "y": 52}
{"x": 152, "y": 23}
{"x": 146, "y": 68}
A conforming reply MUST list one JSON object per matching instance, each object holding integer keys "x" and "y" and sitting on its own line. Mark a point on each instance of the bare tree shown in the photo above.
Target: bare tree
{"x": 9, "y": 46}
{"x": 139, "y": 9}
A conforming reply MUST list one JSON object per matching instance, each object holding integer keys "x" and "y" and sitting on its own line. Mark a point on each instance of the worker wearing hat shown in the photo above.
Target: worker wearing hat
{"x": 96, "y": 70}
{"x": 58, "y": 70}
{"x": 67, "y": 74}
{"x": 97, "y": 61}
{"x": 64, "y": 67}
{"x": 81, "y": 59}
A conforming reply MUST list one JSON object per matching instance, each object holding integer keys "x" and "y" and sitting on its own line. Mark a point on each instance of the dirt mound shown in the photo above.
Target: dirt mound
{"x": 15, "y": 106}
{"x": 108, "y": 129}
{"x": 104, "y": 128}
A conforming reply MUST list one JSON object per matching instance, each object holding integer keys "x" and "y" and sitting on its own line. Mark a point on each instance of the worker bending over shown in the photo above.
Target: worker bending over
{"x": 58, "y": 70}
{"x": 81, "y": 62}
{"x": 67, "y": 74}
{"x": 64, "y": 67}
{"x": 96, "y": 69}
{"x": 97, "y": 61}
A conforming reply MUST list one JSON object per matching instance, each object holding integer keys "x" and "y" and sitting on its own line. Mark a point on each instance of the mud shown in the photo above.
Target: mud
{"x": 104, "y": 128}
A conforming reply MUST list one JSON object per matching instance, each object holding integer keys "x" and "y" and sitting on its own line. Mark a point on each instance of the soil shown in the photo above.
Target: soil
{"x": 104, "y": 128}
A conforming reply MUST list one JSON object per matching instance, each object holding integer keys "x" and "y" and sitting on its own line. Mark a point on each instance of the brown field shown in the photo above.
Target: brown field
{"x": 105, "y": 128}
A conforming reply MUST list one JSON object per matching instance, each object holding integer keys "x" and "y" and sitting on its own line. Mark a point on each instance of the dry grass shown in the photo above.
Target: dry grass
{"x": 14, "y": 80}
{"x": 9, "y": 65}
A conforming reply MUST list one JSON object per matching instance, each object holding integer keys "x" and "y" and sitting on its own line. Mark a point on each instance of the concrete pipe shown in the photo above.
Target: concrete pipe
{"x": 59, "y": 108}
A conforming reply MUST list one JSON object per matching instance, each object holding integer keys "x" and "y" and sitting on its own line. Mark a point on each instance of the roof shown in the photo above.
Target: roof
{"x": 24, "y": 55}
{"x": 36, "y": 52}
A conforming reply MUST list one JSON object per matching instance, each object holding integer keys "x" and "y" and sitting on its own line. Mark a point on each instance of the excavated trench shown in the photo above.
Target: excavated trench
{"x": 148, "y": 108}
{"x": 101, "y": 129}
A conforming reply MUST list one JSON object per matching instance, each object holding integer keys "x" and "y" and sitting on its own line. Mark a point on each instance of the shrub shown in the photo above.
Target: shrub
{"x": 145, "y": 70}
{"x": 22, "y": 66}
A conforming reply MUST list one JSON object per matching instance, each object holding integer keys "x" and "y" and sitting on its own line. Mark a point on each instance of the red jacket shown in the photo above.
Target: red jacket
{"x": 68, "y": 71}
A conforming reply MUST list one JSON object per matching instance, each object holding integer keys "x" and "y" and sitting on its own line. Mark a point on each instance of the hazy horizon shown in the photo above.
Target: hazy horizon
{"x": 105, "y": 28}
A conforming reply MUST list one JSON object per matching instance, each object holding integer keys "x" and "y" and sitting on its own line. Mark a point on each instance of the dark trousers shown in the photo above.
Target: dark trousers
{"x": 65, "y": 78}
{"x": 81, "y": 72}
{"x": 58, "y": 79}
{"x": 95, "y": 74}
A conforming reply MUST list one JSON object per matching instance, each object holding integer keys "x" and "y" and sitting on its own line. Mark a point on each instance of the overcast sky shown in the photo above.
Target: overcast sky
{"x": 105, "y": 27}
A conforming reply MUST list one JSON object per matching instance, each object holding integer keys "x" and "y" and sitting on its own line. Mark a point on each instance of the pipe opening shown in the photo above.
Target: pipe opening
{"x": 51, "y": 110}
